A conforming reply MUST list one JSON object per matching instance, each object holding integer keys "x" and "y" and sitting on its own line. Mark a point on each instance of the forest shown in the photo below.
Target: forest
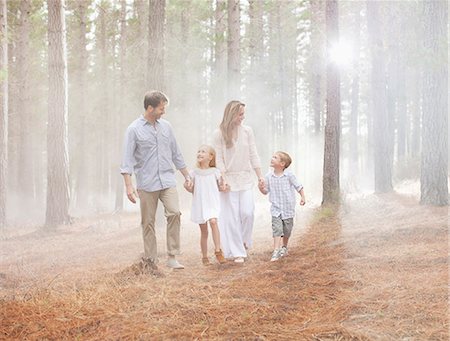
{"x": 355, "y": 91}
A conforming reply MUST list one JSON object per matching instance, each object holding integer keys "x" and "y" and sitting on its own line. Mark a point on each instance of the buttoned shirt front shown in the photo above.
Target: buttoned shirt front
{"x": 150, "y": 151}
{"x": 282, "y": 190}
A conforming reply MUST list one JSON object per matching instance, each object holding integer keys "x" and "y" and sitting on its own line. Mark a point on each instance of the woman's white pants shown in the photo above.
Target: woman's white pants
{"x": 236, "y": 222}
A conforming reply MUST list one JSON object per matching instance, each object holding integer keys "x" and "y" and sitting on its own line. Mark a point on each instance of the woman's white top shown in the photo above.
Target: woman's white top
{"x": 206, "y": 199}
{"x": 237, "y": 162}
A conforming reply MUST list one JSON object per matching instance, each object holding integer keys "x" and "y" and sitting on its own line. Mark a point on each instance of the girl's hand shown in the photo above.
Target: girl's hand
{"x": 223, "y": 186}
{"x": 302, "y": 201}
{"x": 189, "y": 185}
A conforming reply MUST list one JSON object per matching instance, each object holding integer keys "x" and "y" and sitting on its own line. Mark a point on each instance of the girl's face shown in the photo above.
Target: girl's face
{"x": 204, "y": 156}
{"x": 240, "y": 116}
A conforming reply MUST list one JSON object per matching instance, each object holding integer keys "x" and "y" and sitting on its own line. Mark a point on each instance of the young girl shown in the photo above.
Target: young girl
{"x": 205, "y": 185}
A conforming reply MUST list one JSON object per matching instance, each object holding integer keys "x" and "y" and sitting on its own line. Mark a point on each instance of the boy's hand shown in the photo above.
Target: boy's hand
{"x": 262, "y": 186}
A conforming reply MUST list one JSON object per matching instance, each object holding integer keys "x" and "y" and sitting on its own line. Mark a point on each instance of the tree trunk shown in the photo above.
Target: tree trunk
{"x": 3, "y": 110}
{"x": 57, "y": 139}
{"x": 80, "y": 108}
{"x": 317, "y": 67}
{"x": 234, "y": 55}
{"x": 333, "y": 120}
{"x": 434, "y": 164}
{"x": 382, "y": 155}
{"x": 219, "y": 64}
{"x": 25, "y": 159}
{"x": 355, "y": 96}
{"x": 121, "y": 107}
{"x": 156, "y": 30}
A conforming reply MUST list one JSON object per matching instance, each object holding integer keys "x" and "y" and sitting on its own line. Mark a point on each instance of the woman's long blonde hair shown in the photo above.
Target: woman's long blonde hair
{"x": 226, "y": 127}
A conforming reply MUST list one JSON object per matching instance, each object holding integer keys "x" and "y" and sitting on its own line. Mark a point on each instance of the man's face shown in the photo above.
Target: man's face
{"x": 158, "y": 111}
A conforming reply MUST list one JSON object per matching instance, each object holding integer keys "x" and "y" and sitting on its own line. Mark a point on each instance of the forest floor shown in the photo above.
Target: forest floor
{"x": 375, "y": 268}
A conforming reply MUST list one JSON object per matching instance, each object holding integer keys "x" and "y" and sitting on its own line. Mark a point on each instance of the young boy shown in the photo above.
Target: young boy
{"x": 281, "y": 186}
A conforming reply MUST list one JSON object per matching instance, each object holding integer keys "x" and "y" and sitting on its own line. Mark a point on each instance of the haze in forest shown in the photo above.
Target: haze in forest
{"x": 270, "y": 54}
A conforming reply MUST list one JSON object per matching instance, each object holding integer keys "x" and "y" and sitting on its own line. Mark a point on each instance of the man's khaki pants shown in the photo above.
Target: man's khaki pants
{"x": 149, "y": 204}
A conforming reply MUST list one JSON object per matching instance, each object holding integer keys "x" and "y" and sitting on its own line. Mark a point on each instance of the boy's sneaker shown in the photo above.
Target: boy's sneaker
{"x": 275, "y": 255}
{"x": 283, "y": 251}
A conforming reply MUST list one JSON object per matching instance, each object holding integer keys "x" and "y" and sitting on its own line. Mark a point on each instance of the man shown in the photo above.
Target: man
{"x": 150, "y": 151}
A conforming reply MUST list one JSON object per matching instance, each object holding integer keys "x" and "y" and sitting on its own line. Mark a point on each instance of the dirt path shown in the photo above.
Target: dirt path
{"x": 376, "y": 269}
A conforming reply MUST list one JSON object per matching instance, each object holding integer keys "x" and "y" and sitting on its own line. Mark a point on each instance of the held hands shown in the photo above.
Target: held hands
{"x": 223, "y": 186}
{"x": 189, "y": 184}
{"x": 262, "y": 186}
{"x": 132, "y": 194}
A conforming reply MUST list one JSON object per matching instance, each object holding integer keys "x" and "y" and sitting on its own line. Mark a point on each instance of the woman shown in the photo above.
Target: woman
{"x": 236, "y": 158}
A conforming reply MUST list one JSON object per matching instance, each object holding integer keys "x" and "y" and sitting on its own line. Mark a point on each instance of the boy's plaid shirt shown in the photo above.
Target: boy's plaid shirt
{"x": 282, "y": 194}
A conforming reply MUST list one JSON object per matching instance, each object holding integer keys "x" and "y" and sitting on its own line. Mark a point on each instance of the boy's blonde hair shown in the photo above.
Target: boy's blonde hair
{"x": 284, "y": 157}
{"x": 211, "y": 152}
{"x": 226, "y": 127}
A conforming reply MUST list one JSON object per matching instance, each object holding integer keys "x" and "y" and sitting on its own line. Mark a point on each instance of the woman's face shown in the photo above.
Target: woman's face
{"x": 239, "y": 116}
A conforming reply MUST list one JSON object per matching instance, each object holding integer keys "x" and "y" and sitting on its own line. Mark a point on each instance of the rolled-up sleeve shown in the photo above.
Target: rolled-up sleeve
{"x": 254, "y": 157}
{"x": 297, "y": 185}
{"x": 177, "y": 157}
{"x": 129, "y": 146}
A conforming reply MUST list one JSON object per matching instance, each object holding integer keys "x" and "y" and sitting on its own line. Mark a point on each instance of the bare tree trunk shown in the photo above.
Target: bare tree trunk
{"x": 13, "y": 105}
{"x": 331, "y": 188}
{"x": 121, "y": 110}
{"x": 434, "y": 164}
{"x": 156, "y": 32}
{"x": 218, "y": 82}
{"x": 355, "y": 97}
{"x": 317, "y": 67}
{"x": 57, "y": 140}
{"x": 382, "y": 154}
{"x": 80, "y": 108}
{"x": 25, "y": 159}
{"x": 142, "y": 17}
{"x": 234, "y": 55}
{"x": 3, "y": 110}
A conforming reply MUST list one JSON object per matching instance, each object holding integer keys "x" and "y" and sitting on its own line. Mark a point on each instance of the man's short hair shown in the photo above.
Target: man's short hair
{"x": 284, "y": 157}
{"x": 154, "y": 98}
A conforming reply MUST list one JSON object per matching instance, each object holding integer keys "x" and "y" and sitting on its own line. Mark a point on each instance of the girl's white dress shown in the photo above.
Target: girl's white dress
{"x": 206, "y": 198}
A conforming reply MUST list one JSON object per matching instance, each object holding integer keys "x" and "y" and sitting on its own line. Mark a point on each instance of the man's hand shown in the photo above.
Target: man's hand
{"x": 189, "y": 185}
{"x": 132, "y": 194}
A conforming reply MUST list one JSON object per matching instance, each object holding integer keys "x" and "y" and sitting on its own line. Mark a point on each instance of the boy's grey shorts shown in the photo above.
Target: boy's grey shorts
{"x": 282, "y": 227}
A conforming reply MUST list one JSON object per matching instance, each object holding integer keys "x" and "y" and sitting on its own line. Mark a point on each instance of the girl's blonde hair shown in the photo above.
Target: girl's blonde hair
{"x": 211, "y": 152}
{"x": 226, "y": 127}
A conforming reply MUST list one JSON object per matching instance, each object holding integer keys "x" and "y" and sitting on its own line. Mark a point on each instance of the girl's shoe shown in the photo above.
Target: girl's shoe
{"x": 205, "y": 261}
{"x": 219, "y": 256}
{"x": 239, "y": 260}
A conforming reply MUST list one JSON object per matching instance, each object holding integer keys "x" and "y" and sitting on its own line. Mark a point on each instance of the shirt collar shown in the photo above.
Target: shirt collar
{"x": 272, "y": 173}
{"x": 144, "y": 121}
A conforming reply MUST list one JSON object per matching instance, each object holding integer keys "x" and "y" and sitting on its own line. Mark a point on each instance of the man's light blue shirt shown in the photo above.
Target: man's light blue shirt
{"x": 150, "y": 152}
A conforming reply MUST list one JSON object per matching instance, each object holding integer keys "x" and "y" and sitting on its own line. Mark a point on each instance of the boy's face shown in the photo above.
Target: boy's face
{"x": 276, "y": 162}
